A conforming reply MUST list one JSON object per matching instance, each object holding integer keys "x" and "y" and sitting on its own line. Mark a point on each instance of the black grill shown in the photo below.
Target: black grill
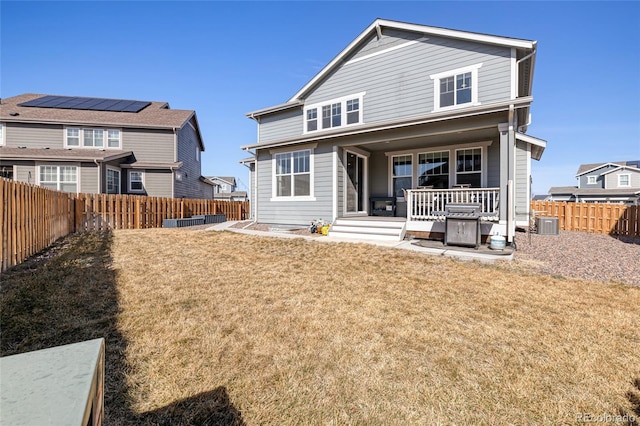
{"x": 462, "y": 225}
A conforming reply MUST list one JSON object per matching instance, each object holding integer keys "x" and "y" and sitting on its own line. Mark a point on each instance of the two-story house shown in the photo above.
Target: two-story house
{"x": 96, "y": 145}
{"x": 224, "y": 184}
{"x": 413, "y": 116}
{"x": 614, "y": 182}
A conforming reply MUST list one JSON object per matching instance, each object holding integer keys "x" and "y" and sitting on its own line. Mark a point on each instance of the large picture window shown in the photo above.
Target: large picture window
{"x": 293, "y": 174}
{"x": 402, "y": 174}
{"x": 456, "y": 88}
{"x": 59, "y": 178}
{"x": 334, "y": 113}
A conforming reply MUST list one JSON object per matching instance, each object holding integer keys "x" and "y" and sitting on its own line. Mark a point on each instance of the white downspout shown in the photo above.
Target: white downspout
{"x": 99, "y": 177}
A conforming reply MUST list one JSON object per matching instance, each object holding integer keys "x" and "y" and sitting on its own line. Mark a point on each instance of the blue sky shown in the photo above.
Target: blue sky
{"x": 224, "y": 59}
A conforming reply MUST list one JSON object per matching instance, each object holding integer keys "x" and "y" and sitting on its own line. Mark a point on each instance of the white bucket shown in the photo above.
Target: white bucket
{"x": 497, "y": 242}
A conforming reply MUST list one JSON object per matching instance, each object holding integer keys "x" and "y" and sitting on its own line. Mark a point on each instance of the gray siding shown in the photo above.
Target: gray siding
{"x": 522, "y": 201}
{"x": 611, "y": 179}
{"x": 397, "y": 83}
{"x": 149, "y": 144}
{"x": 157, "y": 183}
{"x": 88, "y": 173}
{"x": 25, "y": 173}
{"x": 582, "y": 180}
{"x": 190, "y": 186}
{"x": 391, "y": 38}
{"x": 493, "y": 164}
{"x": 378, "y": 175}
{"x": 281, "y": 125}
{"x": 34, "y": 135}
{"x": 296, "y": 212}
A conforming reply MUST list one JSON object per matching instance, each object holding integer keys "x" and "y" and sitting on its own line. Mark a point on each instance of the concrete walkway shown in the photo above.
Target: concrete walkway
{"x": 462, "y": 253}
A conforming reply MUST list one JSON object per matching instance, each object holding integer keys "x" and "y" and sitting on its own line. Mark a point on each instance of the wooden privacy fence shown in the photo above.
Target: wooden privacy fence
{"x": 597, "y": 218}
{"x": 102, "y": 211}
{"x": 32, "y": 218}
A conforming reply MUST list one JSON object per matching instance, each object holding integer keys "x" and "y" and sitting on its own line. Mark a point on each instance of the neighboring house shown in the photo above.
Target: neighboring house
{"x": 232, "y": 196}
{"x": 224, "y": 184}
{"x": 540, "y": 197}
{"x": 95, "y": 145}
{"x": 406, "y": 113}
{"x": 614, "y": 182}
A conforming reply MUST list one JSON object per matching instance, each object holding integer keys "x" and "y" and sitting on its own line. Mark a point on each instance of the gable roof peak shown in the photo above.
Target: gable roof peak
{"x": 377, "y": 27}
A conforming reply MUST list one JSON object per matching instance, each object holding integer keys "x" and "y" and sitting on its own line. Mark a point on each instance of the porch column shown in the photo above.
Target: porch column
{"x": 507, "y": 175}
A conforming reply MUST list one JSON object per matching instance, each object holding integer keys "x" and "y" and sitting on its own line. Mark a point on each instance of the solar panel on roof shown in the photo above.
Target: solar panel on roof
{"x": 91, "y": 104}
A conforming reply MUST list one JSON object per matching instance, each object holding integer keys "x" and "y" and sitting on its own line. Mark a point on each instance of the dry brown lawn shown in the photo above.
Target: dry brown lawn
{"x": 221, "y": 328}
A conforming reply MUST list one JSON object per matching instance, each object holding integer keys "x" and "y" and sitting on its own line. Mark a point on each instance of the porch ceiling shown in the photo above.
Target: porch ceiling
{"x": 398, "y": 142}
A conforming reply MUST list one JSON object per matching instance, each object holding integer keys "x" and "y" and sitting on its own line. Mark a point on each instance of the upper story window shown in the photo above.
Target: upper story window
{"x": 335, "y": 113}
{"x": 92, "y": 138}
{"x": 624, "y": 180}
{"x": 591, "y": 180}
{"x": 1, "y": 134}
{"x": 456, "y": 88}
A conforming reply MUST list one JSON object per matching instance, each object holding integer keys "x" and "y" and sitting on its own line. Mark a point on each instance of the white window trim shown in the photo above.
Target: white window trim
{"x": 129, "y": 181}
{"x": 343, "y": 112}
{"x": 3, "y": 131}
{"x": 483, "y": 145}
{"x": 106, "y": 188}
{"x": 413, "y": 156}
{"x": 473, "y": 69}
{"x": 197, "y": 153}
{"x": 105, "y": 138}
{"x": 58, "y": 165}
{"x": 628, "y": 184}
{"x": 274, "y": 189}
{"x": 592, "y": 180}
{"x": 483, "y": 165}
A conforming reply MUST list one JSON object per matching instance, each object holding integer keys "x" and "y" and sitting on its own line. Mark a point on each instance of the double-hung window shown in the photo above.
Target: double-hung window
{"x": 469, "y": 167}
{"x": 334, "y": 113}
{"x": 456, "y": 88}
{"x": 59, "y": 178}
{"x": 92, "y": 138}
{"x": 402, "y": 174}
{"x": 623, "y": 180}
{"x": 293, "y": 174}
{"x": 136, "y": 181}
{"x": 591, "y": 180}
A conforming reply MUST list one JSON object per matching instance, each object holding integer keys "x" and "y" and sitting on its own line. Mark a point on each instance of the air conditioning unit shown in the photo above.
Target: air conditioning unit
{"x": 547, "y": 225}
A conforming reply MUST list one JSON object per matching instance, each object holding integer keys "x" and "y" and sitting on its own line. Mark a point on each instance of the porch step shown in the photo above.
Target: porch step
{"x": 380, "y": 230}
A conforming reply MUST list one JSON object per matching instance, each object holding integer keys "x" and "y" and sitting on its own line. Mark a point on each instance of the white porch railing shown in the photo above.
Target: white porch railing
{"x": 429, "y": 204}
